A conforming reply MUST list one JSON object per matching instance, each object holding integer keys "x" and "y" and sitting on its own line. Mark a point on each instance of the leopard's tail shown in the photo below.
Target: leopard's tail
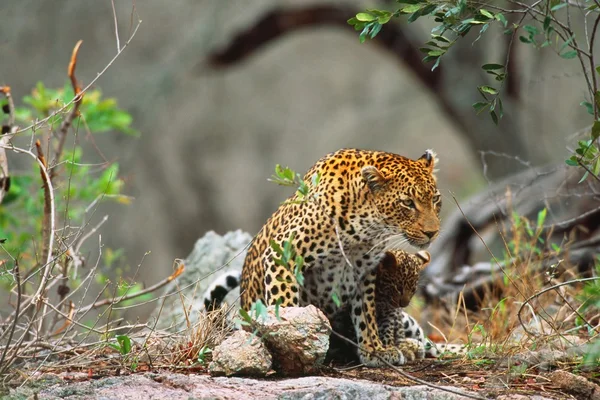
{"x": 435, "y": 350}
{"x": 219, "y": 288}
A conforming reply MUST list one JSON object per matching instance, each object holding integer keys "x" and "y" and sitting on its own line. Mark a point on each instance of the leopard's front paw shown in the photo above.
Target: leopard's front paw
{"x": 382, "y": 357}
{"x": 412, "y": 349}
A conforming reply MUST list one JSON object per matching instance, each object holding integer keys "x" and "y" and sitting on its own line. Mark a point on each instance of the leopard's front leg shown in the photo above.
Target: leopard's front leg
{"x": 398, "y": 329}
{"x": 372, "y": 351}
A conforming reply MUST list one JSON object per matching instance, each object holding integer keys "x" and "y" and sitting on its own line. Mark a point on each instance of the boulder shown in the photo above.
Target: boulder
{"x": 241, "y": 354}
{"x": 212, "y": 256}
{"x": 297, "y": 338}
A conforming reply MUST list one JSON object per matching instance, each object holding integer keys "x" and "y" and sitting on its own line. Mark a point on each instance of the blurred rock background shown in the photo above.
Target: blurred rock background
{"x": 211, "y": 136}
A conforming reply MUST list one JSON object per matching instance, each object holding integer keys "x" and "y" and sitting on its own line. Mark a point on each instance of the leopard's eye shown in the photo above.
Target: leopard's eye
{"x": 408, "y": 203}
{"x": 436, "y": 198}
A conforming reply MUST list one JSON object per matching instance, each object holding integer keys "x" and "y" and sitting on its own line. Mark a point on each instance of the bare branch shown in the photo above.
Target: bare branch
{"x": 4, "y": 138}
{"x": 68, "y": 121}
{"x": 150, "y": 289}
{"x": 4, "y": 366}
{"x": 112, "y": 2}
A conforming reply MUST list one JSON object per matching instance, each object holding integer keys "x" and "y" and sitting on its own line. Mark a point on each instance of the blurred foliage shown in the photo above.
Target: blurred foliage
{"x": 76, "y": 184}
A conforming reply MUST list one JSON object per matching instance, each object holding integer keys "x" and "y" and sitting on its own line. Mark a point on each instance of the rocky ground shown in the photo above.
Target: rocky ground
{"x": 357, "y": 383}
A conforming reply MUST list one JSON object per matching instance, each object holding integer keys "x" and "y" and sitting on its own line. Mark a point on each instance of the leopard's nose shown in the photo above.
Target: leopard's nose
{"x": 430, "y": 234}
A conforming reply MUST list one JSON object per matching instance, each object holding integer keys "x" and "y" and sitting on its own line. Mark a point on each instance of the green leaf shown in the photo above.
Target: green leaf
{"x": 473, "y": 21}
{"x": 494, "y": 117}
{"x": 541, "y": 217}
{"x": 487, "y": 89}
{"x": 276, "y": 247}
{"x": 124, "y": 343}
{"x": 566, "y": 43}
{"x": 491, "y": 67}
{"x": 363, "y": 35}
{"x": 440, "y": 38}
{"x": 500, "y": 17}
{"x": 558, "y": 7}
{"x": 245, "y": 316}
{"x": 384, "y": 19}
{"x": 336, "y": 299}
{"x": 532, "y": 30}
{"x": 546, "y": 24}
{"x": 486, "y": 13}
{"x": 376, "y": 28}
{"x": 572, "y": 162}
{"x": 414, "y": 16}
{"x": 596, "y": 130}
{"x": 589, "y": 106}
{"x": 436, "y": 53}
{"x": 480, "y": 106}
{"x": 569, "y": 54}
{"x": 365, "y": 17}
{"x": 410, "y": 9}
{"x": 524, "y": 39}
{"x": 429, "y": 59}
{"x": 500, "y": 108}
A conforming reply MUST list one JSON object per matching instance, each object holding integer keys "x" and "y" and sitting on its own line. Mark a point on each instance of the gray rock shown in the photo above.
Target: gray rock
{"x": 240, "y": 354}
{"x": 174, "y": 386}
{"x": 575, "y": 385}
{"x": 212, "y": 256}
{"x": 298, "y": 340}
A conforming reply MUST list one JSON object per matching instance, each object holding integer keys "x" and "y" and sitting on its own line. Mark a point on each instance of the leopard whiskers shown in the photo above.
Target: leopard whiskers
{"x": 398, "y": 240}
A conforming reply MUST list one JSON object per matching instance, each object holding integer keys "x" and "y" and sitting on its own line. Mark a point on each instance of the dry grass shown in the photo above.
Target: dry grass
{"x": 137, "y": 350}
{"x": 534, "y": 305}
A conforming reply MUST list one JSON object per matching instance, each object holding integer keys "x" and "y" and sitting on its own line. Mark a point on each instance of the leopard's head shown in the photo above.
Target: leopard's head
{"x": 398, "y": 276}
{"x": 405, "y": 194}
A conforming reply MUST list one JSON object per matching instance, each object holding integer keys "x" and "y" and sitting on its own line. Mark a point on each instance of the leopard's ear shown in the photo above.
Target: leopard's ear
{"x": 429, "y": 160}
{"x": 425, "y": 257}
{"x": 375, "y": 180}
{"x": 389, "y": 261}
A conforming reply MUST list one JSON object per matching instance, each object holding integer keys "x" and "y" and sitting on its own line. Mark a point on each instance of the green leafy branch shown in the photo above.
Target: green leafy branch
{"x": 546, "y": 26}
{"x": 286, "y": 256}
{"x": 289, "y": 177}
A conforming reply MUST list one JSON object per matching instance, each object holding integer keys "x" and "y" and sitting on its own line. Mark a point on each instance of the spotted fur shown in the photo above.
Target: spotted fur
{"x": 397, "y": 281}
{"x": 364, "y": 203}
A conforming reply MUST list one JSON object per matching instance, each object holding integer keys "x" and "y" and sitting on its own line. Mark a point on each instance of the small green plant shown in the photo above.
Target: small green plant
{"x": 122, "y": 344}
{"x": 203, "y": 354}
{"x": 590, "y": 299}
{"x": 258, "y": 310}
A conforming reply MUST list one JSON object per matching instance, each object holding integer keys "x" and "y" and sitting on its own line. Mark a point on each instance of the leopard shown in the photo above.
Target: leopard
{"x": 397, "y": 282}
{"x": 398, "y": 277}
{"x": 357, "y": 204}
